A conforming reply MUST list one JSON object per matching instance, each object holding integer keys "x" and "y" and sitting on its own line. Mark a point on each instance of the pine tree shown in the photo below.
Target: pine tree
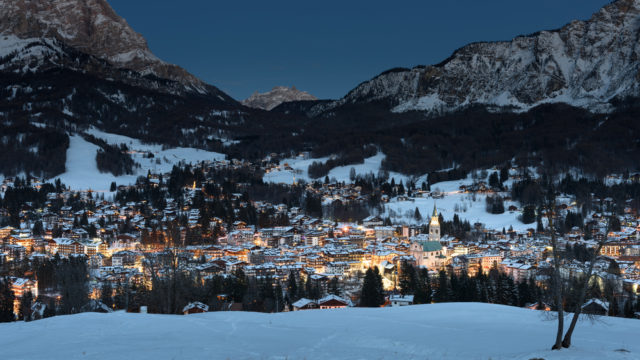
{"x": 279, "y": 298}
{"x": 25, "y": 306}
{"x": 628, "y": 307}
{"x": 50, "y": 310}
{"x": 494, "y": 182}
{"x": 332, "y": 287}
{"x": 292, "y": 288}
{"x": 443, "y": 290}
{"x": 106, "y": 294}
{"x": 301, "y": 293}
{"x": 407, "y": 280}
{"x": 379, "y": 287}
{"x": 6, "y": 301}
{"x": 524, "y": 294}
{"x": 370, "y": 295}
{"x": 425, "y": 286}
{"x": 417, "y": 215}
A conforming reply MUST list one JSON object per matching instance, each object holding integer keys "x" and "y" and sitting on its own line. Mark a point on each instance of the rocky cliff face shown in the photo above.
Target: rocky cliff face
{"x": 275, "y": 97}
{"x": 91, "y": 27}
{"x": 585, "y": 63}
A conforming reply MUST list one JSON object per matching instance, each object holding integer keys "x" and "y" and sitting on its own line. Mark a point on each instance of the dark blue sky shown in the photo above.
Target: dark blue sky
{"x": 328, "y": 47}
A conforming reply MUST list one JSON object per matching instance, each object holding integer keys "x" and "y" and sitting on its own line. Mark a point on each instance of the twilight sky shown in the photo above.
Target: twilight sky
{"x": 328, "y": 47}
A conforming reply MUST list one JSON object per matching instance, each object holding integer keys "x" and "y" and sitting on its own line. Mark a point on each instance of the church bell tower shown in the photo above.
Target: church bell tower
{"x": 434, "y": 225}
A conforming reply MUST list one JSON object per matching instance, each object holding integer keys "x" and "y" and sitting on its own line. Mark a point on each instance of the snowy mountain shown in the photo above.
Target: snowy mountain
{"x": 585, "y": 63}
{"x": 277, "y": 96}
{"x": 437, "y": 331}
{"x": 67, "y": 65}
{"x": 90, "y": 26}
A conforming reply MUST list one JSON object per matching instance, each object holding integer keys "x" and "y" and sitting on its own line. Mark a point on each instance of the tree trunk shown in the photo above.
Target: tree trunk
{"x": 557, "y": 282}
{"x": 566, "y": 342}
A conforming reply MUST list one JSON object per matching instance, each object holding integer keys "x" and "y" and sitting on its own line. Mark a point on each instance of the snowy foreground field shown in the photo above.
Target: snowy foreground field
{"x": 439, "y": 331}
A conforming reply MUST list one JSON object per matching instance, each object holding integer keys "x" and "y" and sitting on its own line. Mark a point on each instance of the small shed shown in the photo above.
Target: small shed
{"x": 195, "y": 307}
{"x": 596, "y": 307}
{"x": 401, "y": 300}
{"x": 304, "y": 304}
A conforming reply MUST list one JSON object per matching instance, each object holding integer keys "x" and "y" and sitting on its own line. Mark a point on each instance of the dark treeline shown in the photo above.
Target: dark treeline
{"x": 494, "y": 204}
{"x": 352, "y": 156}
{"x": 32, "y": 150}
{"x": 455, "y": 227}
{"x": 591, "y": 195}
{"x": 22, "y": 192}
{"x": 67, "y": 277}
{"x": 471, "y": 138}
{"x": 227, "y": 194}
{"x": 111, "y": 158}
{"x": 494, "y": 287}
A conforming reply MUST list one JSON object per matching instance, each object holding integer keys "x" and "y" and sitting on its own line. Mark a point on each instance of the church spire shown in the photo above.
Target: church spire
{"x": 434, "y": 225}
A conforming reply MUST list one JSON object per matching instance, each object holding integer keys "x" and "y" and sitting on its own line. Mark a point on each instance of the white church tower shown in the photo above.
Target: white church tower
{"x": 434, "y": 226}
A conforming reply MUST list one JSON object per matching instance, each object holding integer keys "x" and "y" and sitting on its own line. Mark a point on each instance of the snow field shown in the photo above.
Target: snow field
{"x": 437, "y": 331}
{"x": 82, "y": 171}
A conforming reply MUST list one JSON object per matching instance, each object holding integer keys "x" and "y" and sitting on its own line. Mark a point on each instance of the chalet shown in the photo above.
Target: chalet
{"x": 65, "y": 246}
{"x": 400, "y": 300}
{"x": 6, "y": 231}
{"x": 372, "y": 221}
{"x": 124, "y": 258}
{"x": 304, "y": 304}
{"x": 195, "y": 307}
{"x": 383, "y": 232}
{"x": 595, "y": 307}
{"x": 20, "y": 286}
{"x": 333, "y": 302}
{"x": 96, "y": 306}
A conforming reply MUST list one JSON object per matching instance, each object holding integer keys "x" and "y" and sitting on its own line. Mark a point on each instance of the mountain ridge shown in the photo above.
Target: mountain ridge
{"x": 584, "y": 63}
{"x": 275, "y": 97}
{"x": 92, "y": 27}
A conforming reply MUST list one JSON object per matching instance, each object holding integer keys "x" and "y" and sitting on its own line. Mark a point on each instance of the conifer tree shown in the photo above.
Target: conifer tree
{"x": 424, "y": 287}
{"x": 292, "y": 288}
{"x": 106, "y": 294}
{"x": 25, "y": 306}
{"x": 379, "y": 287}
{"x": 6, "y": 301}
{"x": 371, "y": 295}
{"x": 442, "y": 292}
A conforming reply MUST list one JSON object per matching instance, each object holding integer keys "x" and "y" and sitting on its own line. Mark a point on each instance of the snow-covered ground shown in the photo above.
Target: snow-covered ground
{"x": 438, "y": 331}
{"x": 82, "y": 171}
{"x": 466, "y": 205}
{"x": 341, "y": 173}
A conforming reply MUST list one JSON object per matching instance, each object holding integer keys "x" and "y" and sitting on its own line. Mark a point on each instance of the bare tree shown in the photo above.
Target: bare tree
{"x": 588, "y": 270}
{"x": 556, "y": 283}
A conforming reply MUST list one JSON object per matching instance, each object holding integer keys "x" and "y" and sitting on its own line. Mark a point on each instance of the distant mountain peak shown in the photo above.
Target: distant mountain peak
{"x": 276, "y": 96}
{"x": 92, "y": 27}
{"x": 584, "y": 63}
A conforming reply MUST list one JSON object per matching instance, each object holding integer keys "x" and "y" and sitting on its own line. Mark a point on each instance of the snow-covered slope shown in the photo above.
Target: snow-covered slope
{"x": 82, "y": 171}
{"x": 439, "y": 331}
{"x": 299, "y": 166}
{"x": 275, "y": 97}
{"x": 585, "y": 63}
